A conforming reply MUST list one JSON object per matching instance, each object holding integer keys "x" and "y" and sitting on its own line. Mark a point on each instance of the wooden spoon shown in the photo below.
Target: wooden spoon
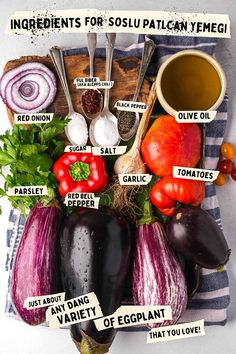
{"x": 131, "y": 161}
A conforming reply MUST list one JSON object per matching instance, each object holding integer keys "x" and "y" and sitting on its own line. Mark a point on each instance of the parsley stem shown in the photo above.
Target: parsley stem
{"x": 2, "y": 174}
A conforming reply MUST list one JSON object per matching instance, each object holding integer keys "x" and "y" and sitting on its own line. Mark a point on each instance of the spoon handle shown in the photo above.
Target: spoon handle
{"x": 58, "y": 61}
{"x": 143, "y": 125}
{"x": 110, "y": 43}
{"x": 148, "y": 50}
{"x": 92, "y": 42}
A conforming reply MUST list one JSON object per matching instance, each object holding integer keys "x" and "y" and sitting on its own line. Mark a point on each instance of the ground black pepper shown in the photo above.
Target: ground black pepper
{"x": 91, "y": 101}
{"x": 126, "y": 121}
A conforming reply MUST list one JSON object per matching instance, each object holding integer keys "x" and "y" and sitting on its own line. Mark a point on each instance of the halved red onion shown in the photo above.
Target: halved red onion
{"x": 29, "y": 88}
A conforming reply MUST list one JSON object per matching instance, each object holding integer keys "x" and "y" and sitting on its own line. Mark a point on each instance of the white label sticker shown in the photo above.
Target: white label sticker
{"x": 111, "y": 150}
{"x": 28, "y": 190}
{"x": 85, "y": 200}
{"x": 126, "y": 316}
{"x": 197, "y": 174}
{"x": 135, "y": 179}
{"x": 77, "y": 148}
{"x": 131, "y": 106}
{"x": 195, "y": 116}
{"x": 186, "y": 330}
{"x": 92, "y": 20}
{"x": 31, "y": 118}
{"x": 80, "y": 309}
{"x": 36, "y": 302}
{"x": 92, "y": 83}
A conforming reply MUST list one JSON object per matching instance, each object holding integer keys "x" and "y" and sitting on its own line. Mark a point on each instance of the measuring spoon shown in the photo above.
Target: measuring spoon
{"x": 148, "y": 49}
{"x": 92, "y": 42}
{"x": 77, "y": 129}
{"x": 103, "y": 130}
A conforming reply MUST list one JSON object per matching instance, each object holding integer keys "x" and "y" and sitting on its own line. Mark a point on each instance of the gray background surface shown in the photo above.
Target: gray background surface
{"x": 18, "y": 338}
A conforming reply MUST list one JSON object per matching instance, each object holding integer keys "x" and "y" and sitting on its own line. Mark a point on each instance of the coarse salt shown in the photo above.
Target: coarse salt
{"x": 105, "y": 132}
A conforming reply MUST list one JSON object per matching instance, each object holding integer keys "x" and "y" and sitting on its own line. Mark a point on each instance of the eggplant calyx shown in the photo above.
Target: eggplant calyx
{"x": 147, "y": 217}
{"x": 89, "y": 346}
{"x": 46, "y": 202}
{"x": 221, "y": 266}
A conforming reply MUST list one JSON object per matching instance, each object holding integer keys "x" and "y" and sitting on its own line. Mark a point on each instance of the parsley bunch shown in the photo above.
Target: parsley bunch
{"x": 26, "y": 158}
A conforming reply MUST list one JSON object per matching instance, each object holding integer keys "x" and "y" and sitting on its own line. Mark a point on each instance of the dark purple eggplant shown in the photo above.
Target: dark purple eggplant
{"x": 192, "y": 275}
{"x": 95, "y": 253}
{"x": 35, "y": 271}
{"x": 194, "y": 233}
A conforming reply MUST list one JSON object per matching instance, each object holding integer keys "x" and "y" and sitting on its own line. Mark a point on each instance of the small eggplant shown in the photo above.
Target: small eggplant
{"x": 35, "y": 270}
{"x": 158, "y": 278}
{"x": 95, "y": 254}
{"x": 194, "y": 233}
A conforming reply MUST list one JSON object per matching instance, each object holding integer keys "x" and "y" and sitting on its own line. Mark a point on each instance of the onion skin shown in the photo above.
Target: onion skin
{"x": 35, "y": 271}
{"x": 158, "y": 278}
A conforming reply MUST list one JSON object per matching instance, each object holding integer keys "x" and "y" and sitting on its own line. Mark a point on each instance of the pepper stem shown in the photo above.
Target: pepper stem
{"x": 79, "y": 171}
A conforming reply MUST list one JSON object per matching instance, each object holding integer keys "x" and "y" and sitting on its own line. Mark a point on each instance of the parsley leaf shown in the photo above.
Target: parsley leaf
{"x": 30, "y": 153}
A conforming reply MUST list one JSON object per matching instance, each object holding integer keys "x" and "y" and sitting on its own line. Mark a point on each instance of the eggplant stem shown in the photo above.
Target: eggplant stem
{"x": 89, "y": 346}
{"x": 221, "y": 267}
{"x": 227, "y": 256}
{"x": 54, "y": 202}
{"x": 147, "y": 216}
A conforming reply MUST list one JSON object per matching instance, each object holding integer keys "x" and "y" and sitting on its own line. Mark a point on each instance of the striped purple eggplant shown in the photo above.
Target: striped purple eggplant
{"x": 35, "y": 270}
{"x": 158, "y": 278}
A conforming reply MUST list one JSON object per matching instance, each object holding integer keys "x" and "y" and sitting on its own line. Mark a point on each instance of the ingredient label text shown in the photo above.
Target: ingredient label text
{"x": 186, "y": 330}
{"x": 126, "y": 316}
{"x": 197, "y": 174}
{"x": 85, "y": 200}
{"x": 80, "y": 309}
{"x": 139, "y": 179}
{"x": 36, "y": 302}
{"x": 195, "y": 116}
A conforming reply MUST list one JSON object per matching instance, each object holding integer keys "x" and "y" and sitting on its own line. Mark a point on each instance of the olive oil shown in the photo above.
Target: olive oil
{"x": 189, "y": 83}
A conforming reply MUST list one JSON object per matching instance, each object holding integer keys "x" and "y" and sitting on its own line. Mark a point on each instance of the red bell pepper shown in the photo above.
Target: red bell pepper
{"x": 80, "y": 172}
{"x": 168, "y": 190}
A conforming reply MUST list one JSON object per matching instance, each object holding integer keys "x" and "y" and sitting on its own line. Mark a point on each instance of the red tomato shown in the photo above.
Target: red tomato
{"x": 233, "y": 175}
{"x": 225, "y": 166}
{"x": 168, "y": 143}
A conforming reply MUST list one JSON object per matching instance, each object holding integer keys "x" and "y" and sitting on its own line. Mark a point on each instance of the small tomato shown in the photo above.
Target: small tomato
{"x": 227, "y": 150}
{"x": 233, "y": 175}
{"x": 225, "y": 166}
{"x": 220, "y": 180}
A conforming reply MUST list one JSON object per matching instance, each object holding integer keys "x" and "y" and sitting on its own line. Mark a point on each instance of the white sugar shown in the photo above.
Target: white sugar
{"x": 77, "y": 130}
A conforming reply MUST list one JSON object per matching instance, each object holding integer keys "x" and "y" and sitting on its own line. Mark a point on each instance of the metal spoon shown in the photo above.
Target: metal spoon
{"x": 92, "y": 42}
{"x": 131, "y": 161}
{"x": 77, "y": 129}
{"x": 148, "y": 50}
{"x": 104, "y": 127}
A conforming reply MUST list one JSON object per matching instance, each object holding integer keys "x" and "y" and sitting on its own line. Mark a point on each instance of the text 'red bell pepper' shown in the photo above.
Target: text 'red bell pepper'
{"x": 80, "y": 172}
{"x": 168, "y": 190}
